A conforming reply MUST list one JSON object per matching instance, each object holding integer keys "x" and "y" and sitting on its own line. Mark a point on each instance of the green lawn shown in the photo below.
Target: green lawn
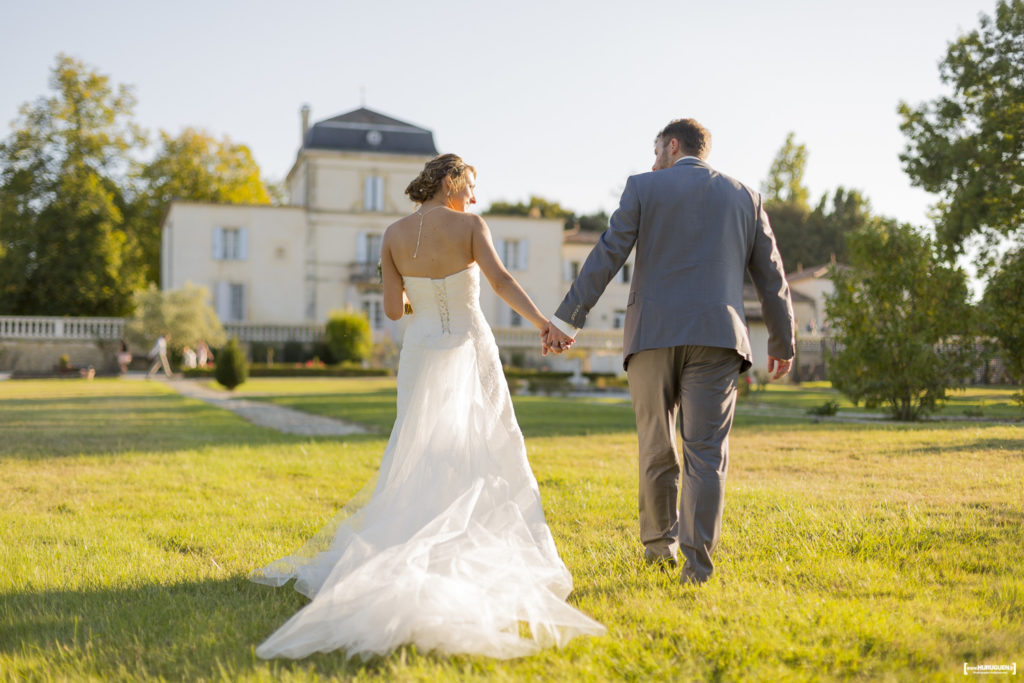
{"x": 131, "y": 517}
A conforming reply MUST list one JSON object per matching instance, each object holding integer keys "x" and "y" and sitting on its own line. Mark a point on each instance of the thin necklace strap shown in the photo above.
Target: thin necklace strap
{"x": 420, "y": 231}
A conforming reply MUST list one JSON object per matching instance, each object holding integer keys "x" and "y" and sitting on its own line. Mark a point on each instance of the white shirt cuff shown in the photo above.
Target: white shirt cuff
{"x": 565, "y": 327}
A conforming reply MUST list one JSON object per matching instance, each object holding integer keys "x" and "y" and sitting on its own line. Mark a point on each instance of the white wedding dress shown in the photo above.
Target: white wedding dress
{"x": 451, "y": 551}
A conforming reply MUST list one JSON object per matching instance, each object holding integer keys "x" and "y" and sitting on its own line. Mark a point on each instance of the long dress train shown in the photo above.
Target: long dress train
{"x": 451, "y": 551}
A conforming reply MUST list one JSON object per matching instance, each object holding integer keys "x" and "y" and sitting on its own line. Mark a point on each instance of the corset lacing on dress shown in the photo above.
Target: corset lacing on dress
{"x": 441, "y": 295}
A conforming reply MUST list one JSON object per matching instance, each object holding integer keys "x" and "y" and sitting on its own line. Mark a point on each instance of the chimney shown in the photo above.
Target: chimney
{"x": 305, "y": 124}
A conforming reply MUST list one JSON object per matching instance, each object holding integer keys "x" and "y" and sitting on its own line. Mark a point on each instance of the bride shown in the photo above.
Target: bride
{"x": 451, "y": 551}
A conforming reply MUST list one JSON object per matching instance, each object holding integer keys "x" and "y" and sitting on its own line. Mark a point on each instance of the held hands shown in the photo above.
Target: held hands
{"x": 553, "y": 340}
{"x": 777, "y": 367}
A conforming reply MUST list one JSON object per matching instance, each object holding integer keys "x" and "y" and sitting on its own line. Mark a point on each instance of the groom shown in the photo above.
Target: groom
{"x": 685, "y": 341}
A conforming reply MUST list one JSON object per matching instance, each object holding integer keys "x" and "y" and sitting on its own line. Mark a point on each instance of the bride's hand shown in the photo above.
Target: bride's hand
{"x": 553, "y": 340}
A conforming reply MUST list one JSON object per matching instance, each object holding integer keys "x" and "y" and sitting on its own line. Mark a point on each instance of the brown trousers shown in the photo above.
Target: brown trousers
{"x": 697, "y": 383}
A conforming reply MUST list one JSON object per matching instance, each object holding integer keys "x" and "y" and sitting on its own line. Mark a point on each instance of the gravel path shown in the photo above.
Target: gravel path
{"x": 263, "y": 414}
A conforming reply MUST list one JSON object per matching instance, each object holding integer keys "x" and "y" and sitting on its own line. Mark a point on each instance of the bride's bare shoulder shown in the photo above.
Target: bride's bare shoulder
{"x": 397, "y": 228}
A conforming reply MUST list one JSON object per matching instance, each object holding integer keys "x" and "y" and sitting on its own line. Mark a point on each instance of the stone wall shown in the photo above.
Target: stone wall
{"x": 43, "y": 356}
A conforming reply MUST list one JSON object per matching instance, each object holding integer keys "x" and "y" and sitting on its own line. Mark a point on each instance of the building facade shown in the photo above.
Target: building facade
{"x": 294, "y": 264}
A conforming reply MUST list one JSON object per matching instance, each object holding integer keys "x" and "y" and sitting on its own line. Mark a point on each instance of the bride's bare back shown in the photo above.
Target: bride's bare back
{"x": 440, "y": 242}
{"x": 443, "y": 246}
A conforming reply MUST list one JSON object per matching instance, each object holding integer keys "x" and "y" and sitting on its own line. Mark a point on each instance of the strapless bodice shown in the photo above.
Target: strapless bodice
{"x": 444, "y": 307}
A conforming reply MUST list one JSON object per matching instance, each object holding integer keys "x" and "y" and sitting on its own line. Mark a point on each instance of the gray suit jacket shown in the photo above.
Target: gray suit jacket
{"x": 696, "y": 231}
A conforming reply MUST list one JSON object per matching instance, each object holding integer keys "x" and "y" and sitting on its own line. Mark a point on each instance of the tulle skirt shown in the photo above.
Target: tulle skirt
{"x": 448, "y": 549}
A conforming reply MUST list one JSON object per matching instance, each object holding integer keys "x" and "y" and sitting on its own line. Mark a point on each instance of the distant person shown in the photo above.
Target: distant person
{"x": 124, "y": 356}
{"x": 189, "y": 358}
{"x": 203, "y": 355}
{"x": 158, "y": 354}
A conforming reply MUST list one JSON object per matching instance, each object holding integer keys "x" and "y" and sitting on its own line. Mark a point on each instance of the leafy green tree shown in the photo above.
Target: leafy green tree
{"x": 808, "y": 237}
{"x": 835, "y": 217}
{"x": 594, "y": 222}
{"x": 185, "y": 314}
{"x": 790, "y": 223}
{"x": 1003, "y": 305}
{"x": 968, "y": 147}
{"x": 63, "y": 246}
{"x": 348, "y": 336}
{"x": 901, "y": 320}
{"x": 786, "y": 202}
{"x": 194, "y": 166}
{"x": 231, "y": 368}
{"x": 785, "y": 182}
{"x": 537, "y": 207}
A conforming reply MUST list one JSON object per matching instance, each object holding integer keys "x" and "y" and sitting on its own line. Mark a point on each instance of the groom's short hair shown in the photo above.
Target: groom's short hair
{"x": 694, "y": 139}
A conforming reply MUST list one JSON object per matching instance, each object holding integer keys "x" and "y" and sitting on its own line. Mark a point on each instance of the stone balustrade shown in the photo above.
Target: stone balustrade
{"x": 588, "y": 340}
{"x": 53, "y": 327}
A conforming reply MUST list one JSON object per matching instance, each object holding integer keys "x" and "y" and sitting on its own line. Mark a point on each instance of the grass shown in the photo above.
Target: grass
{"x": 991, "y": 402}
{"x": 131, "y": 517}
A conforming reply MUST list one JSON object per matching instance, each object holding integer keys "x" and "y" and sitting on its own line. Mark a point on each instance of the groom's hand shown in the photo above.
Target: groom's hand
{"x": 554, "y": 340}
{"x": 777, "y": 367}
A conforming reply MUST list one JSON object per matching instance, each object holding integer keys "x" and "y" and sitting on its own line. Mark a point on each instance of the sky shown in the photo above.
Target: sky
{"x": 556, "y": 98}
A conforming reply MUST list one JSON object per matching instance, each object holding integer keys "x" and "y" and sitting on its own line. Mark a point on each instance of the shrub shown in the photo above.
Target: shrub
{"x": 292, "y": 352}
{"x": 232, "y": 368}
{"x": 902, "y": 321}
{"x": 828, "y": 408}
{"x": 348, "y": 336}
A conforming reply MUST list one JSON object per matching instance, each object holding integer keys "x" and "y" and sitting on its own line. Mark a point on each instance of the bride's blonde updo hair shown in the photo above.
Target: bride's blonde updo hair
{"x": 430, "y": 181}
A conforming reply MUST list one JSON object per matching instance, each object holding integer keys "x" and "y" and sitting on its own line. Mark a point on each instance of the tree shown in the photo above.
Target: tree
{"x": 968, "y": 147}
{"x": 785, "y": 182}
{"x": 538, "y": 207}
{"x": 835, "y": 217}
{"x": 901, "y": 320}
{"x": 348, "y": 336}
{"x": 1003, "y": 306}
{"x": 594, "y": 222}
{"x": 194, "y": 166}
{"x": 185, "y": 314}
{"x": 790, "y": 224}
{"x": 63, "y": 246}
{"x": 808, "y": 237}
{"x": 786, "y": 202}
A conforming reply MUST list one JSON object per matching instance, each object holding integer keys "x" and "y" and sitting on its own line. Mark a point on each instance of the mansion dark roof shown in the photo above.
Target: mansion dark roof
{"x": 365, "y": 130}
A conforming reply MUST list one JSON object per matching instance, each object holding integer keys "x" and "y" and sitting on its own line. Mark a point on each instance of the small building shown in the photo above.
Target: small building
{"x": 816, "y": 285}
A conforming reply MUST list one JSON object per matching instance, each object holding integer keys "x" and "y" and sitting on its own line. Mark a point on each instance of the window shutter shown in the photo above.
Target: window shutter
{"x": 370, "y": 193}
{"x": 218, "y": 244}
{"x": 378, "y": 193}
{"x": 361, "y": 247}
{"x": 222, "y": 300}
{"x": 524, "y": 254}
{"x": 243, "y": 244}
{"x": 499, "y": 246}
{"x": 238, "y": 302}
{"x": 566, "y": 271}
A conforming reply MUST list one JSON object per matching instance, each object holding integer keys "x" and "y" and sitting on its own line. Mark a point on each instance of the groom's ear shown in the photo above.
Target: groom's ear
{"x": 673, "y": 146}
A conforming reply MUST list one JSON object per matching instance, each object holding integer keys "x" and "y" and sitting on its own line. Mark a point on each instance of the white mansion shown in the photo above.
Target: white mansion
{"x": 292, "y": 265}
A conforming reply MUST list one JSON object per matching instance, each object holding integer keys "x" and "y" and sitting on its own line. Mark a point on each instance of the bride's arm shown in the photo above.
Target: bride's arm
{"x": 501, "y": 280}
{"x": 394, "y": 290}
